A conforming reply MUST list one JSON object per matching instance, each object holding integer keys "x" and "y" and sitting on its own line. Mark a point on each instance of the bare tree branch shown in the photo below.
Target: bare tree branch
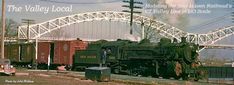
{"x": 11, "y": 28}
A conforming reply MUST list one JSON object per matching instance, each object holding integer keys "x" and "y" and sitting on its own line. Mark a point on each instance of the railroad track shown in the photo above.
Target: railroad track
{"x": 136, "y": 80}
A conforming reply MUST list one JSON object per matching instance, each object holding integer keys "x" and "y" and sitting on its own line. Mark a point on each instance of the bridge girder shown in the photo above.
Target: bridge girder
{"x": 37, "y": 30}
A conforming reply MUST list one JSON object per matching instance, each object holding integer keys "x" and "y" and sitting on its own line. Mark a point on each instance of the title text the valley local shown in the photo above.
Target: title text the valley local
{"x": 39, "y": 8}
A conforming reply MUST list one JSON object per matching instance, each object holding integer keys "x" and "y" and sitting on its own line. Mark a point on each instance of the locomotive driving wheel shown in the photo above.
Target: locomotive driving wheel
{"x": 174, "y": 69}
{"x": 116, "y": 70}
{"x": 185, "y": 76}
{"x": 177, "y": 70}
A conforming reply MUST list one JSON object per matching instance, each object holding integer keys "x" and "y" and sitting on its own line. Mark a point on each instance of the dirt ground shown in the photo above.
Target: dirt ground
{"x": 34, "y": 77}
{"x": 40, "y": 80}
{"x": 43, "y": 78}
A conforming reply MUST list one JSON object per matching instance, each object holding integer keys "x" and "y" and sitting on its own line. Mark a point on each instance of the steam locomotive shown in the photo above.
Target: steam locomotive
{"x": 165, "y": 59}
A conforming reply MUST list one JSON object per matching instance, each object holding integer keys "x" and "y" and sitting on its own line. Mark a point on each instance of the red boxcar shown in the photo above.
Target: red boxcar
{"x": 65, "y": 50}
{"x": 60, "y": 52}
{"x": 43, "y": 52}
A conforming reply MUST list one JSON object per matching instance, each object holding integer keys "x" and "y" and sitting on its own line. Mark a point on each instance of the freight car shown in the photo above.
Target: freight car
{"x": 59, "y": 52}
{"x": 20, "y": 54}
{"x": 164, "y": 59}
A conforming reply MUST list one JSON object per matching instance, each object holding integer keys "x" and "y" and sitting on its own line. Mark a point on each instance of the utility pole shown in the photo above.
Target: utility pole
{"x": 131, "y": 6}
{"x": 28, "y": 22}
{"x": 3, "y": 29}
{"x": 142, "y": 30}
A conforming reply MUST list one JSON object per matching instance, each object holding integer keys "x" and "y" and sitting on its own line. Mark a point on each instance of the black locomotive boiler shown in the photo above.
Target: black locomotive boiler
{"x": 165, "y": 59}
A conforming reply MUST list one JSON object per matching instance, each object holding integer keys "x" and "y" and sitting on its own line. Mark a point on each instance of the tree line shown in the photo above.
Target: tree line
{"x": 11, "y": 28}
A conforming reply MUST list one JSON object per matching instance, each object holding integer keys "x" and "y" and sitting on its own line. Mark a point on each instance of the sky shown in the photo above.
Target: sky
{"x": 40, "y": 16}
{"x": 194, "y": 22}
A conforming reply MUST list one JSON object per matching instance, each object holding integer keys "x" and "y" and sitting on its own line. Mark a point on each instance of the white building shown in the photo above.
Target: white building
{"x": 229, "y": 64}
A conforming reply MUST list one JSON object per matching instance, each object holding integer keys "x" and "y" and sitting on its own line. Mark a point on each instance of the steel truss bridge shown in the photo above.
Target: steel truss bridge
{"x": 35, "y": 31}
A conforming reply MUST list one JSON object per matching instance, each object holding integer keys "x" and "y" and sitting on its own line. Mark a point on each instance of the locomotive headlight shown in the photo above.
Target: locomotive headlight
{"x": 11, "y": 66}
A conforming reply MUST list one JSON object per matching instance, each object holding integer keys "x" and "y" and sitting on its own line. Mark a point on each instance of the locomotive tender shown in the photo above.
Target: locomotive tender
{"x": 163, "y": 59}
